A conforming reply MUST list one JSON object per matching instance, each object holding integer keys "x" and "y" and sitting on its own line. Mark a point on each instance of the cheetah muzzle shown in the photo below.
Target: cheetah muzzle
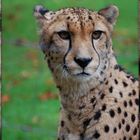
{"x": 98, "y": 99}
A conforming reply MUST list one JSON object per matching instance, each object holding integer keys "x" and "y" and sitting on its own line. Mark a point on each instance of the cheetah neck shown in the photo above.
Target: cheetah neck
{"x": 72, "y": 91}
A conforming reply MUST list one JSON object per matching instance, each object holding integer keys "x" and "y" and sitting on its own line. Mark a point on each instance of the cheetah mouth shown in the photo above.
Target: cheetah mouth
{"x": 83, "y": 74}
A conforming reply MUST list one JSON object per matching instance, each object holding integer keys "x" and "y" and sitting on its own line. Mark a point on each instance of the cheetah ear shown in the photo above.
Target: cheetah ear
{"x": 110, "y": 13}
{"x": 42, "y": 14}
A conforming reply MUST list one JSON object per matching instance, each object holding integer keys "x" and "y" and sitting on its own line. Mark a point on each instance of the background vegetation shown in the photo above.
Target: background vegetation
{"x": 30, "y": 106}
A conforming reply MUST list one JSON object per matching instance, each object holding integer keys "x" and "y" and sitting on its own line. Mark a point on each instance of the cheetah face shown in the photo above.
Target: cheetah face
{"x": 76, "y": 41}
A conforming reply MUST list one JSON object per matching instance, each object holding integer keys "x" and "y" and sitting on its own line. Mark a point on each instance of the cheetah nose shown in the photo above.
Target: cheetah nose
{"x": 82, "y": 62}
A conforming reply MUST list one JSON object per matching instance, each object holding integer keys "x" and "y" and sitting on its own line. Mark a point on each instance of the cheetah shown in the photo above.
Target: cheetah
{"x": 99, "y": 100}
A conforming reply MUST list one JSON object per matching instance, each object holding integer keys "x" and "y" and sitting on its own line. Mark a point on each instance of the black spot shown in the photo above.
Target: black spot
{"x": 92, "y": 89}
{"x": 96, "y": 135}
{"x": 99, "y": 93}
{"x": 119, "y": 125}
{"x": 102, "y": 96}
{"x": 111, "y": 89}
{"x": 101, "y": 82}
{"x": 127, "y": 127}
{"x": 115, "y": 130}
{"x": 125, "y": 104}
{"x": 133, "y": 92}
{"x": 125, "y": 84}
{"x": 104, "y": 79}
{"x": 94, "y": 105}
{"x": 133, "y": 118}
{"x": 69, "y": 117}
{"x": 58, "y": 138}
{"x": 130, "y": 138}
{"x": 92, "y": 100}
{"x": 68, "y": 17}
{"x": 121, "y": 95}
{"x": 116, "y": 82}
{"x": 90, "y": 17}
{"x": 125, "y": 114}
{"x": 104, "y": 67}
{"x": 130, "y": 94}
{"x": 49, "y": 63}
{"x": 101, "y": 72}
{"x": 135, "y": 131}
{"x": 119, "y": 110}
{"x": 106, "y": 128}
{"x": 86, "y": 123}
{"x": 130, "y": 103}
{"x": 137, "y": 101}
{"x": 128, "y": 76}
{"x": 115, "y": 100}
{"x": 51, "y": 58}
{"x": 123, "y": 121}
{"x": 97, "y": 115}
{"x": 81, "y": 107}
{"x": 59, "y": 87}
{"x": 62, "y": 123}
{"x": 124, "y": 138}
{"x": 112, "y": 113}
{"x": 106, "y": 82}
{"x": 104, "y": 107}
{"x": 118, "y": 67}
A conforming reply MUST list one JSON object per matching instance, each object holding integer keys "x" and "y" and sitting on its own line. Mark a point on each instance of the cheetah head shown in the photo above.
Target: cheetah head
{"x": 77, "y": 41}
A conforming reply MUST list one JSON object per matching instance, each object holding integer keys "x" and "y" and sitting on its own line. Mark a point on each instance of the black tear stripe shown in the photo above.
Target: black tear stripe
{"x": 64, "y": 60}
{"x": 70, "y": 46}
{"x": 96, "y": 52}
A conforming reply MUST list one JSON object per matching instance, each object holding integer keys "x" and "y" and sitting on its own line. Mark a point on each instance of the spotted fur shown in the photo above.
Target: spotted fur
{"x": 98, "y": 99}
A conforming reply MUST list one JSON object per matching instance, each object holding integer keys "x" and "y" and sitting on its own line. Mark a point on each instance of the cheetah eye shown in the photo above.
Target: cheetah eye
{"x": 96, "y": 34}
{"x": 64, "y": 35}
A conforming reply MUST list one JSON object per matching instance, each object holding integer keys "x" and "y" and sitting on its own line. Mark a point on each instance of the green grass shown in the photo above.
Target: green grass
{"x": 25, "y": 75}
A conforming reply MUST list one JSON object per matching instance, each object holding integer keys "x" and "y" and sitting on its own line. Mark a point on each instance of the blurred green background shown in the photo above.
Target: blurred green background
{"x": 30, "y": 105}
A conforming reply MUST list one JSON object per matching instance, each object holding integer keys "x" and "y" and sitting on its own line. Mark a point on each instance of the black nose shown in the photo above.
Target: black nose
{"x": 82, "y": 62}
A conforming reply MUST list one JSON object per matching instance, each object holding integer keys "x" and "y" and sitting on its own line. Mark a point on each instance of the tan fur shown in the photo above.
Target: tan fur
{"x": 90, "y": 104}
